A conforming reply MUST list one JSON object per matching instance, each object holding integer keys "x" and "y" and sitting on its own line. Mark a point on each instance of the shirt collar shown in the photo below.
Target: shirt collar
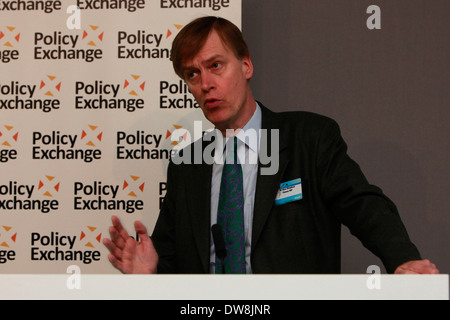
{"x": 250, "y": 133}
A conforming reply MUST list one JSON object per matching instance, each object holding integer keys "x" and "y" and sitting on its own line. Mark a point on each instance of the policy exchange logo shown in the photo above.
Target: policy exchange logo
{"x": 8, "y": 238}
{"x": 8, "y": 136}
{"x": 16, "y": 196}
{"x": 169, "y": 30}
{"x": 179, "y": 137}
{"x": 145, "y": 44}
{"x": 135, "y": 85}
{"x": 49, "y": 186}
{"x": 99, "y": 195}
{"x": 50, "y": 85}
{"x": 9, "y": 39}
{"x": 19, "y": 95}
{"x": 57, "y": 246}
{"x": 133, "y": 186}
{"x": 93, "y": 36}
{"x": 90, "y": 237}
{"x": 124, "y": 95}
{"x": 92, "y": 135}
{"x": 57, "y": 145}
{"x": 58, "y": 45}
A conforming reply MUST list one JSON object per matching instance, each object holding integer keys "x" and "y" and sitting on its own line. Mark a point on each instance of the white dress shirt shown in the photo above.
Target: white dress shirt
{"x": 247, "y": 152}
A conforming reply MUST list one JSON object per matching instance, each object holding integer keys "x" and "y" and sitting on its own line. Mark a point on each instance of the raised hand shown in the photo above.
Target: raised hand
{"x": 128, "y": 255}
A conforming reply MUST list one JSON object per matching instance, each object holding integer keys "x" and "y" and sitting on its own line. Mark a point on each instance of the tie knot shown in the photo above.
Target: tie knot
{"x": 231, "y": 151}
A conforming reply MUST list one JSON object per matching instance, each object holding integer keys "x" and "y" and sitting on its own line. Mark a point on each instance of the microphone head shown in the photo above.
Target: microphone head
{"x": 219, "y": 241}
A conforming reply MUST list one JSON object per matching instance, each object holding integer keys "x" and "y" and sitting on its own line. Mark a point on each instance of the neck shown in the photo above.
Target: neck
{"x": 244, "y": 117}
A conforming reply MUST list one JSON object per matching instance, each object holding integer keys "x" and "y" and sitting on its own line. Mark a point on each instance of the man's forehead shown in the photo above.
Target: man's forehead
{"x": 213, "y": 48}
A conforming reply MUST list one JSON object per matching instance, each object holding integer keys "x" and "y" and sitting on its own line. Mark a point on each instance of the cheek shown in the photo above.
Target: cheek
{"x": 237, "y": 89}
{"x": 195, "y": 92}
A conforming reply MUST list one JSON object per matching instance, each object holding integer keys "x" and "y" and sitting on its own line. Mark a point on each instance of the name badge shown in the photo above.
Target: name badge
{"x": 289, "y": 191}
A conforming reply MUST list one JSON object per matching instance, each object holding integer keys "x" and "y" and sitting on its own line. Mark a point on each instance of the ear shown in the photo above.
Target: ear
{"x": 247, "y": 67}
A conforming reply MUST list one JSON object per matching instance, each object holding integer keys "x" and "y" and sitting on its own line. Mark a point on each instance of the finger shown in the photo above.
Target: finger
{"x": 429, "y": 267}
{"x": 405, "y": 271}
{"x": 119, "y": 227}
{"x": 141, "y": 231}
{"x": 112, "y": 248}
{"x": 115, "y": 263}
{"x": 116, "y": 238}
{"x": 145, "y": 239}
{"x": 424, "y": 267}
{"x": 417, "y": 267}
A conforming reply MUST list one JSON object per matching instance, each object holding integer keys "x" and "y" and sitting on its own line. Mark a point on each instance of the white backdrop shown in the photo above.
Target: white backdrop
{"x": 86, "y": 117}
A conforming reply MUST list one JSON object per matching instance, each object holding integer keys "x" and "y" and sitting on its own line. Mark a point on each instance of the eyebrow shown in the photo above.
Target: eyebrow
{"x": 207, "y": 62}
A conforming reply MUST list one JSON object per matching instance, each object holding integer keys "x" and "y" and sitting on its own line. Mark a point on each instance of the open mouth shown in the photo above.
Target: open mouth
{"x": 211, "y": 102}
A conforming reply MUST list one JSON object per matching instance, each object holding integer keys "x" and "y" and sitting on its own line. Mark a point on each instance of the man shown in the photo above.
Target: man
{"x": 301, "y": 236}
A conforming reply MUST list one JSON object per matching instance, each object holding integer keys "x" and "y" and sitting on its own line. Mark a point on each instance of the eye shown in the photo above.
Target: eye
{"x": 190, "y": 75}
{"x": 216, "y": 65}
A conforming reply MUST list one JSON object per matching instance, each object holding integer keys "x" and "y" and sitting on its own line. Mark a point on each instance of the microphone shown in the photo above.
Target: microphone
{"x": 219, "y": 243}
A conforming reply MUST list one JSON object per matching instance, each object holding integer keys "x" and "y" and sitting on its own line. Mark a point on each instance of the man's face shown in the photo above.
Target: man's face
{"x": 219, "y": 82}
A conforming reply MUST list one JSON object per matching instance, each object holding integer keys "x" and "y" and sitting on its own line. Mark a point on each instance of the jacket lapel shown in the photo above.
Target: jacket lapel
{"x": 267, "y": 186}
{"x": 199, "y": 208}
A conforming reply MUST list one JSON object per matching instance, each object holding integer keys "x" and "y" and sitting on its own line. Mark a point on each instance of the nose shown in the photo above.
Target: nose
{"x": 207, "y": 81}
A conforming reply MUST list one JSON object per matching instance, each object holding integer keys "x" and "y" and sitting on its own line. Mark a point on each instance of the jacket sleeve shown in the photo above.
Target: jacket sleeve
{"x": 163, "y": 235}
{"x": 363, "y": 208}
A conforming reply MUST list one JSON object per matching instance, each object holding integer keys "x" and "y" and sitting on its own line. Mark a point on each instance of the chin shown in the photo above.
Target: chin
{"x": 217, "y": 118}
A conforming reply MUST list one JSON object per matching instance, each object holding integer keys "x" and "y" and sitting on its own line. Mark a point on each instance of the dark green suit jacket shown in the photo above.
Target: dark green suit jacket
{"x": 298, "y": 237}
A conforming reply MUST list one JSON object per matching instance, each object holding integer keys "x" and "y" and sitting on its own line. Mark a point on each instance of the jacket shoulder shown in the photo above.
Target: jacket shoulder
{"x": 296, "y": 118}
{"x": 305, "y": 117}
{"x": 305, "y": 124}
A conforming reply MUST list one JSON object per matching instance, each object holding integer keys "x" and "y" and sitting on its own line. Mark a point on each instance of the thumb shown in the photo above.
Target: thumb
{"x": 141, "y": 231}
